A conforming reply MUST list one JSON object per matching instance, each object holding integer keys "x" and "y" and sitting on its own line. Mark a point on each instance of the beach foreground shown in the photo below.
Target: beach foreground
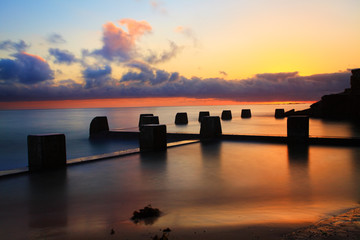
{"x": 343, "y": 226}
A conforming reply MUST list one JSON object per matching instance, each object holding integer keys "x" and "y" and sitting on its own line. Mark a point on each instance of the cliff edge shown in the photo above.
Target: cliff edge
{"x": 345, "y": 105}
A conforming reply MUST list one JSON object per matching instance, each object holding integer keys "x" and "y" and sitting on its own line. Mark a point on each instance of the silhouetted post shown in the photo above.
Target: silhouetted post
{"x": 144, "y": 115}
{"x": 298, "y": 129}
{"x": 98, "y": 125}
{"x": 279, "y": 113}
{"x": 149, "y": 120}
{"x": 203, "y": 114}
{"x": 245, "y": 113}
{"x": 152, "y": 138}
{"x": 355, "y": 80}
{"x": 226, "y": 115}
{"x": 210, "y": 127}
{"x": 181, "y": 118}
{"x": 46, "y": 151}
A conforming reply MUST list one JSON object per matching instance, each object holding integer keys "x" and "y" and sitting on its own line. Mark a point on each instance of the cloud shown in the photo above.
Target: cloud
{"x": 158, "y": 6}
{"x": 119, "y": 44}
{"x": 62, "y": 56}
{"x": 25, "y": 68}
{"x": 97, "y": 76}
{"x": 55, "y": 38}
{"x": 165, "y": 56}
{"x": 143, "y": 80}
{"x": 223, "y": 73}
{"x": 8, "y": 45}
{"x": 189, "y": 33}
{"x": 144, "y": 74}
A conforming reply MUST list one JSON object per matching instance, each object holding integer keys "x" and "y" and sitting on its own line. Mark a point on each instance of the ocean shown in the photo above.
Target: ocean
{"x": 200, "y": 188}
{"x": 16, "y": 125}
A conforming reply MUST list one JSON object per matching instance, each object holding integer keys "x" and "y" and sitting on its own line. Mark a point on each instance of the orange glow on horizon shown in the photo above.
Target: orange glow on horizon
{"x": 129, "y": 102}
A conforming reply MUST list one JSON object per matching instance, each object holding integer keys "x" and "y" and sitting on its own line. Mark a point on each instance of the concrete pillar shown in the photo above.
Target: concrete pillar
{"x": 152, "y": 138}
{"x": 298, "y": 128}
{"x": 181, "y": 118}
{"x": 279, "y": 113}
{"x": 46, "y": 151}
{"x": 98, "y": 125}
{"x": 355, "y": 80}
{"x": 145, "y": 120}
{"x": 226, "y": 115}
{"x": 210, "y": 127}
{"x": 203, "y": 114}
{"x": 144, "y": 115}
{"x": 245, "y": 113}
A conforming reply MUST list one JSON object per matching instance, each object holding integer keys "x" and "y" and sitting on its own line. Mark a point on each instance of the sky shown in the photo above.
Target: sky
{"x": 162, "y": 52}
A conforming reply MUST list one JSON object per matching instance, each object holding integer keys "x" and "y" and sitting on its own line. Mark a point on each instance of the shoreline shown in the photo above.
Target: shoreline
{"x": 345, "y": 225}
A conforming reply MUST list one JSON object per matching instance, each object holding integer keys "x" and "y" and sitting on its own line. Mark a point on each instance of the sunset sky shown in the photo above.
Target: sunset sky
{"x": 139, "y": 51}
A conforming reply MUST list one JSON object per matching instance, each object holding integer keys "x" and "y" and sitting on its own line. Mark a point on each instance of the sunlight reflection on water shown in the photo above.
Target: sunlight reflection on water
{"x": 199, "y": 185}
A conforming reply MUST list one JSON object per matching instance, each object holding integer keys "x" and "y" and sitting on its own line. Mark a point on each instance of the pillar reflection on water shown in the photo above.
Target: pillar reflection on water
{"x": 298, "y": 158}
{"x": 47, "y": 202}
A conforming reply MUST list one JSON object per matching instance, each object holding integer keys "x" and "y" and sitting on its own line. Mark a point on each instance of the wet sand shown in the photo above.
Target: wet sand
{"x": 342, "y": 226}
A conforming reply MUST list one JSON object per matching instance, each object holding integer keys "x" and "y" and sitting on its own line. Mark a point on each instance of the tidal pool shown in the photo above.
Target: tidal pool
{"x": 198, "y": 186}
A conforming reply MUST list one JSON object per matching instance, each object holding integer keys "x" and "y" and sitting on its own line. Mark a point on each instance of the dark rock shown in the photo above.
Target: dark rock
{"x": 146, "y": 212}
{"x": 345, "y": 105}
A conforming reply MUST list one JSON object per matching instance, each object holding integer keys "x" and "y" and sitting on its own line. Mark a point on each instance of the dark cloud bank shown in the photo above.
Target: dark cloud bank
{"x": 28, "y": 78}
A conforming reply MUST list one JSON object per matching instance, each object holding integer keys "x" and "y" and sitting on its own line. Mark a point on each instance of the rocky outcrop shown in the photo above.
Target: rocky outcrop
{"x": 345, "y": 105}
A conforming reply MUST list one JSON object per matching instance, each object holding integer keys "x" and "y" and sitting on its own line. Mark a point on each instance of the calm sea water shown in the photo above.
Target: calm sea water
{"x": 16, "y": 125}
{"x": 200, "y": 186}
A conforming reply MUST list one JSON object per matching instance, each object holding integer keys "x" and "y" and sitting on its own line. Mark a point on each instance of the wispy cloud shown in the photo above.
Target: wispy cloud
{"x": 165, "y": 56}
{"x": 55, "y": 38}
{"x": 189, "y": 33}
{"x": 158, "y": 6}
{"x": 8, "y": 45}
{"x": 62, "y": 56}
{"x": 223, "y": 73}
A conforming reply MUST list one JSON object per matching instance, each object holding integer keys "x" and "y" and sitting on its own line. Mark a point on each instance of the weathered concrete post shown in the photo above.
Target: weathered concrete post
{"x": 245, "y": 113}
{"x": 181, "y": 118}
{"x": 210, "y": 127}
{"x": 279, "y": 113}
{"x": 46, "y": 151}
{"x": 98, "y": 125}
{"x": 144, "y": 115}
{"x": 152, "y": 138}
{"x": 298, "y": 129}
{"x": 226, "y": 115}
{"x": 145, "y": 120}
{"x": 203, "y": 114}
